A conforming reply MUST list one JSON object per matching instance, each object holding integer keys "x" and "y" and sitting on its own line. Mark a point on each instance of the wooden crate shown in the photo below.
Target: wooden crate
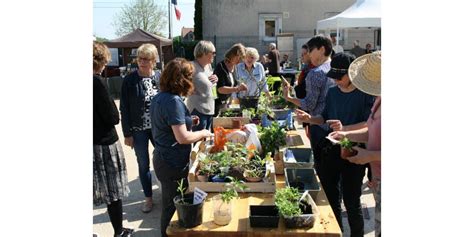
{"x": 268, "y": 186}
{"x": 226, "y": 122}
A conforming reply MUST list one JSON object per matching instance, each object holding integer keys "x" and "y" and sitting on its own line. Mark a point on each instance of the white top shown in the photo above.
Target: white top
{"x": 201, "y": 99}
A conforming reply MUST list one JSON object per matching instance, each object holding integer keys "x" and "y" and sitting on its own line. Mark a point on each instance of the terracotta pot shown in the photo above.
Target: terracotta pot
{"x": 203, "y": 178}
{"x": 345, "y": 153}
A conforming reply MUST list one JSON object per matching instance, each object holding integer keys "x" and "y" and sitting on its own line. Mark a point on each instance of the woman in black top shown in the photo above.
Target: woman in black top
{"x": 110, "y": 174}
{"x": 226, "y": 84}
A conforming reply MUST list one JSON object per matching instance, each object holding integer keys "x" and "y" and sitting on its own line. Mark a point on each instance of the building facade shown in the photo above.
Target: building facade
{"x": 257, "y": 23}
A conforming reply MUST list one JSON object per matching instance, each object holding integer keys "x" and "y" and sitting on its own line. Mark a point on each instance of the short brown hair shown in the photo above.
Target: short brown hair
{"x": 177, "y": 77}
{"x": 101, "y": 55}
{"x": 236, "y": 50}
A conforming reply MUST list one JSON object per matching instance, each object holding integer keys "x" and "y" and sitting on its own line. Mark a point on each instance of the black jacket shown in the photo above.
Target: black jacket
{"x": 105, "y": 115}
{"x": 132, "y": 102}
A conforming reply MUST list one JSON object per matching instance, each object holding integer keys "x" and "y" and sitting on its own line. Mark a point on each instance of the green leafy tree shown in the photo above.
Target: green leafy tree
{"x": 143, "y": 14}
{"x": 198, "y": 20}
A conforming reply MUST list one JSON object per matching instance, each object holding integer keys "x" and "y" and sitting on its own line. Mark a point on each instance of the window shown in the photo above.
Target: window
{"x": 269, "y": 26}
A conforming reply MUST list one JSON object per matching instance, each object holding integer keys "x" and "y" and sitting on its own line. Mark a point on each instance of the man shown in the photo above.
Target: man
{"x": 274, "y": 60}
{"x": 336, "y": 47}
{"x": 357, "y": 50}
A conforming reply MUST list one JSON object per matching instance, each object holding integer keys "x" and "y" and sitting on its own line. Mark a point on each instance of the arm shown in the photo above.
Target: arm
{"x": 364, "y": 156}
{"x": 105, "y": 106}
{"x": 184, "y": 136}
{"x": 307, "y": 118}
{"x": 124, "y": 108}
{"x": 359, "y": 135}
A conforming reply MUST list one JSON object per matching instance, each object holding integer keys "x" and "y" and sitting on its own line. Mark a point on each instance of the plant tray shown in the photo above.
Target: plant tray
{"x": 303, "y": 156}
{"x": 264, "y": 216}
{"x": 281, "y": 114}
{"x": 267, "y": 185}
{"x": 307, "y": 219}
{"x": 303, "y": 179}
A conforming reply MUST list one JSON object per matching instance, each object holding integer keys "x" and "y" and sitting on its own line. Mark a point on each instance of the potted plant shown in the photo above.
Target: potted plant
{"x": 222, "y": 203}
{"x": 346, "y": 148}
{"x": 264, "y": 111}
{"x": 189, "y": 213}
{"x": 296, "y": 212}
{"x": 255, "y": 169}
{"x": 272, "y": 138}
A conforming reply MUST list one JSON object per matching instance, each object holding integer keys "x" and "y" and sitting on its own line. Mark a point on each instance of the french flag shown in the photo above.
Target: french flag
{"x": 176, "y": 10}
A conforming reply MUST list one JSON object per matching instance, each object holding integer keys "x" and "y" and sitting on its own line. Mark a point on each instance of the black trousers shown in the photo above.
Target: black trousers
{"x": 341, "y": 176}
{"x": 168, "y": 177}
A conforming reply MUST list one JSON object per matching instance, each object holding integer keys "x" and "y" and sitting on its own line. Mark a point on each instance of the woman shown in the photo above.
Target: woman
{"x": 345, "y": 104}
{"x": 369, "y": 83}
{"x": 252, "y": 74}
{"x": 227, "y": 83}
{"x": 138, "y": 89}
{"x": 110, "y": 173}
{"x": 300, "y": 88}
{"x": 201, "y": 101}
{"x": 172, "y": 132}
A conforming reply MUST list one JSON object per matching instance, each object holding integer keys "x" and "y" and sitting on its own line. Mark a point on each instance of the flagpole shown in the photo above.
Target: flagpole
{"x": 170, "y": 23}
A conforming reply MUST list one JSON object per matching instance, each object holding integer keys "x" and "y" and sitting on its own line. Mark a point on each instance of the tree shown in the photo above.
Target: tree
{"x": 198, "y": 20}
{"x": 143, "y": 14}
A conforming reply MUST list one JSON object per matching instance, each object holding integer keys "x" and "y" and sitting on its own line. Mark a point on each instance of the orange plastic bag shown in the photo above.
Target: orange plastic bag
{"x": 220, "y": 139}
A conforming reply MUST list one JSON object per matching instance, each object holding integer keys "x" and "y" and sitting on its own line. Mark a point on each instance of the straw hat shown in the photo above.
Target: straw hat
{"x": 365, "y": 74}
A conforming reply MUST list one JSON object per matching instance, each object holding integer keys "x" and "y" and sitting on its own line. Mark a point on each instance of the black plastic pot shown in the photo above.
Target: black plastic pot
{"x": 264, "y": 216}
{"x": 189, "y": 215}
{"x": 302, "y": 221}
{"x": 249, "y": 102}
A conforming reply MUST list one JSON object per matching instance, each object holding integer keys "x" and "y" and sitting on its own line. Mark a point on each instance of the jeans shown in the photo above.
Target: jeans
{"x": 339, "y": 175}
{"x": 169, "y": 178}
{"x": 205, "y": 121}
{"x": 140, "y": 145}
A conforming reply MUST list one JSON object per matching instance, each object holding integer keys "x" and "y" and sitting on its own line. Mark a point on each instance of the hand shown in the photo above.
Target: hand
{"x": 363, "y": 156}
{"x": 335, "y": 124}
{"x": 337, "y": 135}
{"x": 242, "y": 87}
{"x": 206, "y": 133}
{"x": 302, "y": 116}
{"x": 286, "y": 92}
{"x": 195, "y": 119}
{"x": 213, "y": 78}
{"x": 129, "y": 141}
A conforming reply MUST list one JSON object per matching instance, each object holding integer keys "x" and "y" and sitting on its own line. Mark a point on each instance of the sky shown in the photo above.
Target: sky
{"x": 105, "y": 10}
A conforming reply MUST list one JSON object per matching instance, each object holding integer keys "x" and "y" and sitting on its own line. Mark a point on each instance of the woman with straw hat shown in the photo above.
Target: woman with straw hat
{"x": 345, "y": 104}
{"x": 365, "y": 74}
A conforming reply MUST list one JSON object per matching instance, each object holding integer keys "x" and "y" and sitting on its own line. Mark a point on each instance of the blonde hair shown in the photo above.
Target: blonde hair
{"x": 203, "y": 47}
{"x": 148, "y": 51}
{"x": 236, "y": 50}
{"x": 252, "y": 52}
{"x": 101, "y": 55}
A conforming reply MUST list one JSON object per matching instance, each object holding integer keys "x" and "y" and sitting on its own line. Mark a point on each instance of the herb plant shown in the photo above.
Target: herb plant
{"x": 272, "y": 138}
{"x": 287, "y": 201}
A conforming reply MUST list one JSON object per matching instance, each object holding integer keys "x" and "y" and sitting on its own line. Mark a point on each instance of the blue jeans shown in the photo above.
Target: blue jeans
{"x": 140, "y": 145}
{"x": 205, "y": 121}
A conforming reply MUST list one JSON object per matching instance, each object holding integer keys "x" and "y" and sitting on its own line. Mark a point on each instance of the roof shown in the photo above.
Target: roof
{"x": 137, "y": 38}
{"x": 363, "y": 13}
{"x": 185, "y": 31}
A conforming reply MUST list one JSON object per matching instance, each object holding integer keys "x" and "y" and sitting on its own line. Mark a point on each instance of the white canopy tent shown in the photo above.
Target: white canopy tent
{"x": 363, "y": 13}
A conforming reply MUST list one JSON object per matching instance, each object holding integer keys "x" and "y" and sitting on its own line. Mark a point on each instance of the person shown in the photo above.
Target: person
{"x": 252, "y": 74}
{"x": 273, "y": 60}
{"x": 345, "y": 104}
{"x": 110, "y": 182}
{"x": 201, "y": 101}
{"x": 357, "y": 50}
{"x": 265, "y": 62}
{"x": 335, "y": 46}
{"x": 368, "y": 48}
{"x": 364, "y": 73}
{"x": 284, "y": 62}
{"x": 138, "y": 89}
{"x": 171, "y": 130}
{"x": 300, "y": 87}
{"x": 317, "y": 85}
{"x": 227, "y": 83}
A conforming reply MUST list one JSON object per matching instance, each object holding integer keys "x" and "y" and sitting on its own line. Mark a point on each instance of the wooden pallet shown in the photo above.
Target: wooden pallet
{"x": 267, "y": 186}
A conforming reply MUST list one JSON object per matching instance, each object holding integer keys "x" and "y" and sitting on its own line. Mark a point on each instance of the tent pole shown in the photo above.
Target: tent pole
{"x": 337, "y": 35}
{"x": 170, "y": 19}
